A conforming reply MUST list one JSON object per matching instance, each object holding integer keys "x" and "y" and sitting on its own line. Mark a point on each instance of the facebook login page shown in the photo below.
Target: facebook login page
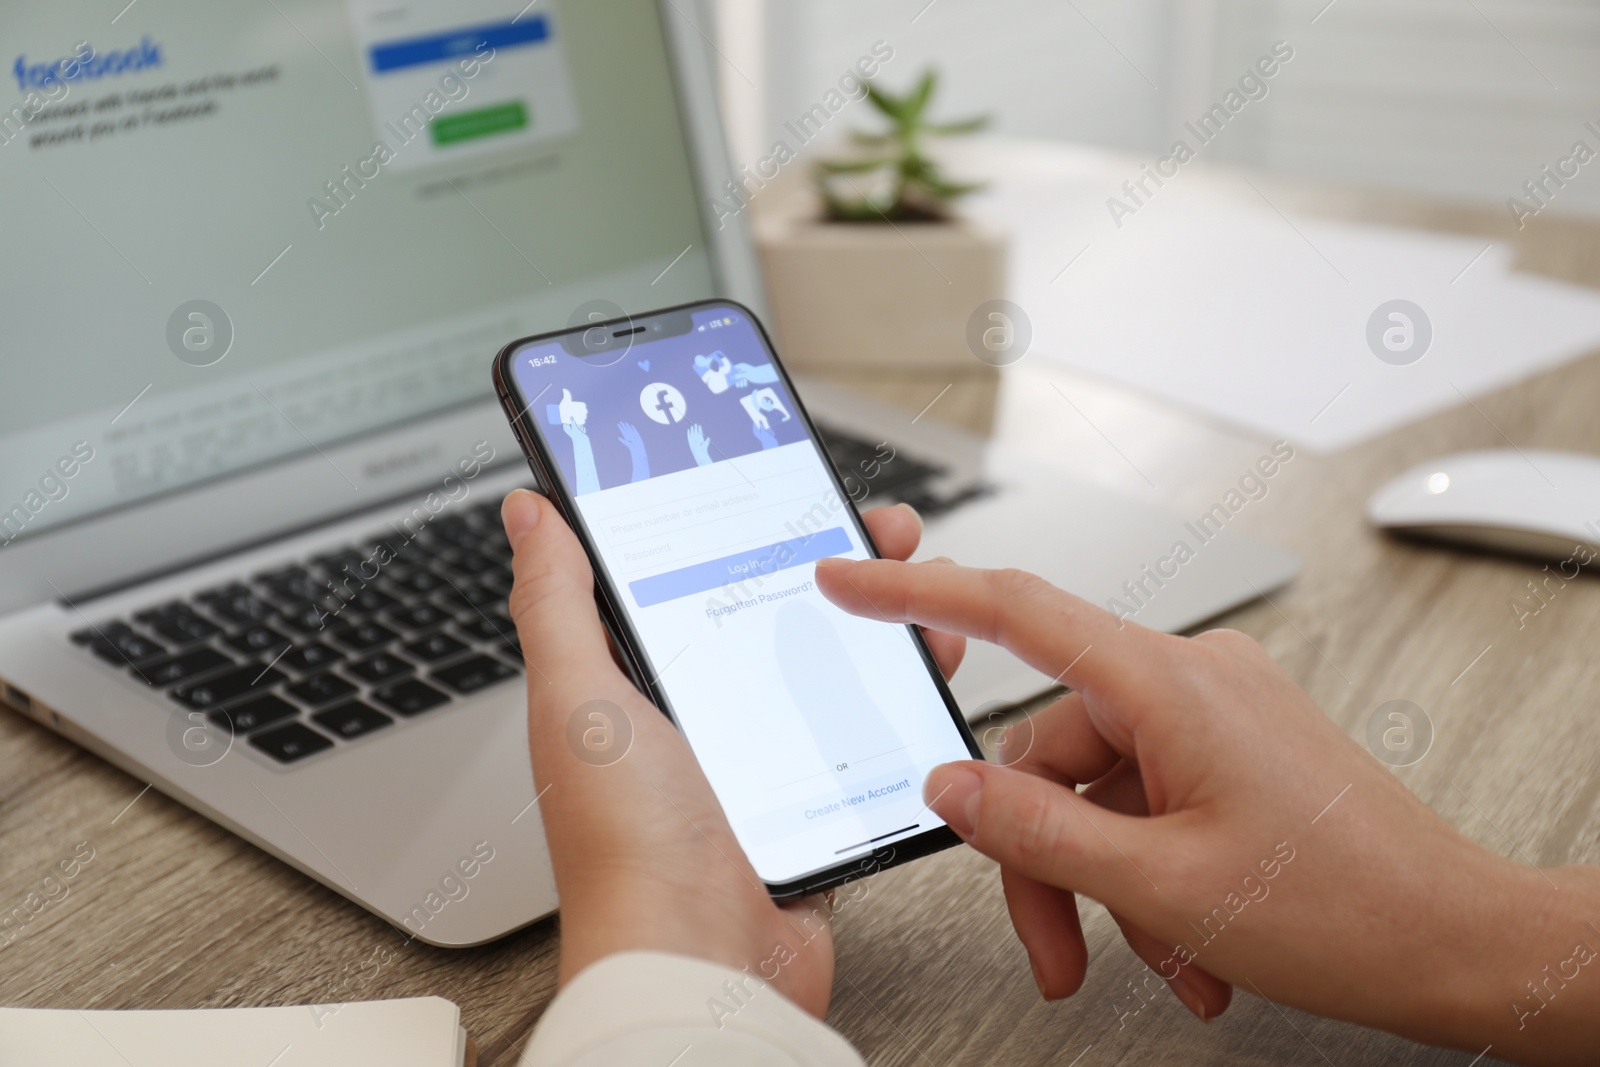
{"x": 237, "y": 232}
{"x": 709, "y": 504}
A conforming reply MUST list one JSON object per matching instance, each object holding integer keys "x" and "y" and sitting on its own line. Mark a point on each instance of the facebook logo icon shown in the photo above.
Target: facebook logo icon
{"x": 662, "y": 403}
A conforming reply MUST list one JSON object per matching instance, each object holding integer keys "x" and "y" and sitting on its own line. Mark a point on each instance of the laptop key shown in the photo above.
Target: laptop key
{"x": 472, "y": 563}
{"x": 416, "y": 580}
{"x": 254, "y": 714}
{"x": 294, "y": 741}
{"x": 380, "y": 668}
{"x": 369, "y": 602}
{"x": 292, "y": 585}
{"x": 367, "y": 635}
{"x": 230, "y": 685}
{"x": 490, "y": 627}
{"x": 184, "y": 627}
{"x": 262, "y": 639}
{"x": 320, "y": 689}
{"x": 452, "y": 598}
{"x": 409, "y": 697}
{"x": 482, "y": 596}
{"x": 116, "y": 643}
{"x": 471, "y": 595}
{"x": 471, "y": 675}
{"x": 235, "y": 604}
{"x": 173, "y": 669}
{"x": 309, "y": 658}
{"x": 418, "y": 617}
{"x": 500, "y": 580}
{"x": 304, "y": 618}
{"x": 435, "y": 647}
{"x": 352, "y": 719}
{"x": 160, "y": 611}
{"x": 121, "y": 652}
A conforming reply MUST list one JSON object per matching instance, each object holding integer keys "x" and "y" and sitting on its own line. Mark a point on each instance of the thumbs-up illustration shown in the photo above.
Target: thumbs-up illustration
{"x": 572, "y": 412}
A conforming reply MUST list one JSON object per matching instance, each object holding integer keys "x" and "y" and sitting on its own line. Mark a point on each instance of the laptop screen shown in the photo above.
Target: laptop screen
{"x": 237, "y": 232}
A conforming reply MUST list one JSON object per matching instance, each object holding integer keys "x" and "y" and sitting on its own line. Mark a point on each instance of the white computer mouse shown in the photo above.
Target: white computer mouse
{"x": 1526, "y": 501}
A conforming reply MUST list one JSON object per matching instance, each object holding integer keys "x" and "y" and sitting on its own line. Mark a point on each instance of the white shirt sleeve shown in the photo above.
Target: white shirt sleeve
{"x": 651, "y": 1009}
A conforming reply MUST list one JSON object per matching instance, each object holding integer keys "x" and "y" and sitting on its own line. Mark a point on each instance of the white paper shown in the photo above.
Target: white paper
{"x": 1218, "y": 302}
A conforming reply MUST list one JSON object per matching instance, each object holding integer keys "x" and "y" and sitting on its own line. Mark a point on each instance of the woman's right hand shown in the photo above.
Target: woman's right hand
{"x": 1237, "y": 835}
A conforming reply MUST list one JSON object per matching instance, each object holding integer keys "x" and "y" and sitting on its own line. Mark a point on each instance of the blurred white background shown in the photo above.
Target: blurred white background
{"x": 1462, "y": 98}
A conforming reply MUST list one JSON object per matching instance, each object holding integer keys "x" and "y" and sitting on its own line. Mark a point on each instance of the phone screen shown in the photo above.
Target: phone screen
{"x": 708, "y": 503}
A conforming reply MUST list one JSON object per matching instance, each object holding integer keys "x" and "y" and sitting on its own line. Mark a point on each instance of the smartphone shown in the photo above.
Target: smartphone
{"x": 678, "y": 451}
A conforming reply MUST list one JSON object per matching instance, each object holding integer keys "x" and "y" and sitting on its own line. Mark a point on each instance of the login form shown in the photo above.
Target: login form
{"x": 709, "y": 505}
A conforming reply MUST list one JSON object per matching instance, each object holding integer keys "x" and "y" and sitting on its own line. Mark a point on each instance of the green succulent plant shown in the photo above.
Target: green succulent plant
{"x": 917, "y": 191}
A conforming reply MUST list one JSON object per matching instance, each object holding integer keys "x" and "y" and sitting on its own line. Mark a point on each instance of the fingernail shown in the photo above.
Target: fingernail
{"x": 1189, "y": 995}
{"x": 912, "y": 512}
{"x": 1038, "y": 977}
{"x": 941, "y": 559}
{"x": 953, "y": 792}
{"x": 520, "y": 514}
{"x": 828, "y": 563}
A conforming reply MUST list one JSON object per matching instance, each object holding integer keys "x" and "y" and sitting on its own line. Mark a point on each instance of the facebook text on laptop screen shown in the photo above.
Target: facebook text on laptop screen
{"x": 235, "y": 232}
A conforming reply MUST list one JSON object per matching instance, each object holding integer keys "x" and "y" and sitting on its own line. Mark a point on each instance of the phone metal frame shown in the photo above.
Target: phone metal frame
{"x": 609, "y": 598}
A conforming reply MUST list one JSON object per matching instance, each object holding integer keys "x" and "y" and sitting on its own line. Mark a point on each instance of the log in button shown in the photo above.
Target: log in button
{"x": 731, "y": 570}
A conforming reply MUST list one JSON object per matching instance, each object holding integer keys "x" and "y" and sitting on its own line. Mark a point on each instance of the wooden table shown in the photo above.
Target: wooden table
{"x": 174, "y": 913}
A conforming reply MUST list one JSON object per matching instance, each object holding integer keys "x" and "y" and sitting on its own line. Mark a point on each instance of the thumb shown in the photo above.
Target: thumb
{"x": 566, "y": 395}
{"x": 1045, "y": 831}
{"x": 552, "y": 593}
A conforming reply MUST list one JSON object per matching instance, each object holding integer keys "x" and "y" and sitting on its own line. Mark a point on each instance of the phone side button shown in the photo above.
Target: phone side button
{"x": 519, "y": 431}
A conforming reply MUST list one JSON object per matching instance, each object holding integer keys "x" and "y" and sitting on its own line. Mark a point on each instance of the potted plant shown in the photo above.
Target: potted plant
{"x": 872, "y": 276}
{"x": 896, "y": 161}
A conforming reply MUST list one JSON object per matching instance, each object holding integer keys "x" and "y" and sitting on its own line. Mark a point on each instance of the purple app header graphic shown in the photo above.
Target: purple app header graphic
{"x": 696, "y": 399}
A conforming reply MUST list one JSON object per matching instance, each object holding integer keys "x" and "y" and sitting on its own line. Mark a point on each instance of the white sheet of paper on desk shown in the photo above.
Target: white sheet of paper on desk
{"x": 418, "y": 1032}
{"x": 1261, "y": 320}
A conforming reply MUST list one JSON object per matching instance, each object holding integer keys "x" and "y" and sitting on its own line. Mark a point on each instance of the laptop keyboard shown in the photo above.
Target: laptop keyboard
{"x": 332, "y": 649}
{"x": 889, "y": 475}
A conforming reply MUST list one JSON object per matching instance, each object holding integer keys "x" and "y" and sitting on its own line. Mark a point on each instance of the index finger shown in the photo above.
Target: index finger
{"x": 1064, "y": 637}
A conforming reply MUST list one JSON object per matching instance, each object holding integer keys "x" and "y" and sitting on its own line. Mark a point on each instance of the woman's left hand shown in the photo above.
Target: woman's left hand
{"x": 644, "y": 858}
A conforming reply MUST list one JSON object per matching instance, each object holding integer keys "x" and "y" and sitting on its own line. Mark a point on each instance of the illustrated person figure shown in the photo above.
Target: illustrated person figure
{"x": 714, "y": 370}
{"x": 758, "y": 403}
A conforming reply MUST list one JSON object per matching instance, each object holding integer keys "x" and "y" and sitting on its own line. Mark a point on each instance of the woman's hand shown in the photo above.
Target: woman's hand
{"x": 643, "y": 856}
{"x": 1237, "y": 835}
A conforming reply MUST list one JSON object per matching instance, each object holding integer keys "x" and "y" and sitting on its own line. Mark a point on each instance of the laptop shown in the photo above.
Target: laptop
{"x": 259, "y": 258}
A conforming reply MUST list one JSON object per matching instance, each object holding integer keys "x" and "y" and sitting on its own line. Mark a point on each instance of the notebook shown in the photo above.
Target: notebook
{"x": 419, "y": 1032}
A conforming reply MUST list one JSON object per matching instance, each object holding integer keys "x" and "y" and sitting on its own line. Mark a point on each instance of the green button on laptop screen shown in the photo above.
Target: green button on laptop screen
{"x": 484, "y": 122}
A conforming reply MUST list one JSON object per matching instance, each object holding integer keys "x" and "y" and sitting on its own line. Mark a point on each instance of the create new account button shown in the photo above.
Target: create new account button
{"x": 484, "y": 122}
{"x": 731, "y": 570}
